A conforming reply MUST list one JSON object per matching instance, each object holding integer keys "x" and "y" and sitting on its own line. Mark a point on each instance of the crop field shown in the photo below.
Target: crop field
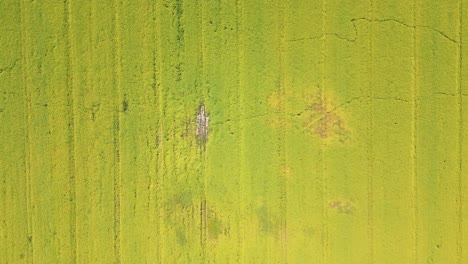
{"x": 234, "y": 131}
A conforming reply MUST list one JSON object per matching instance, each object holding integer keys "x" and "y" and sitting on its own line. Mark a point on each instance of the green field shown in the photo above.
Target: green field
{"x": 233, "y": 131}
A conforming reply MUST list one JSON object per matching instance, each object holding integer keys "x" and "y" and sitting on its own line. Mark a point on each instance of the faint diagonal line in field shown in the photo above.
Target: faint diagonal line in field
{"x": 298, "y": 114}
{"x": 331, "y": 34}
{"x": 241, "y": 119}
{"x": 406, "y": 25}
{"x": 10, "y": 67}
{"x": 449, "y": 94}
{"x": 391, "y": 20}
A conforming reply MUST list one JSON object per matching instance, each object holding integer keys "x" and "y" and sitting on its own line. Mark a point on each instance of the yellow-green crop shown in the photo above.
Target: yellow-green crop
{"x": 233, "y": 131}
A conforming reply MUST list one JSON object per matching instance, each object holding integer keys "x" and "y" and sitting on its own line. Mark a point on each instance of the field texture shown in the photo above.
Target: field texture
{"x": 234, "y": 131}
